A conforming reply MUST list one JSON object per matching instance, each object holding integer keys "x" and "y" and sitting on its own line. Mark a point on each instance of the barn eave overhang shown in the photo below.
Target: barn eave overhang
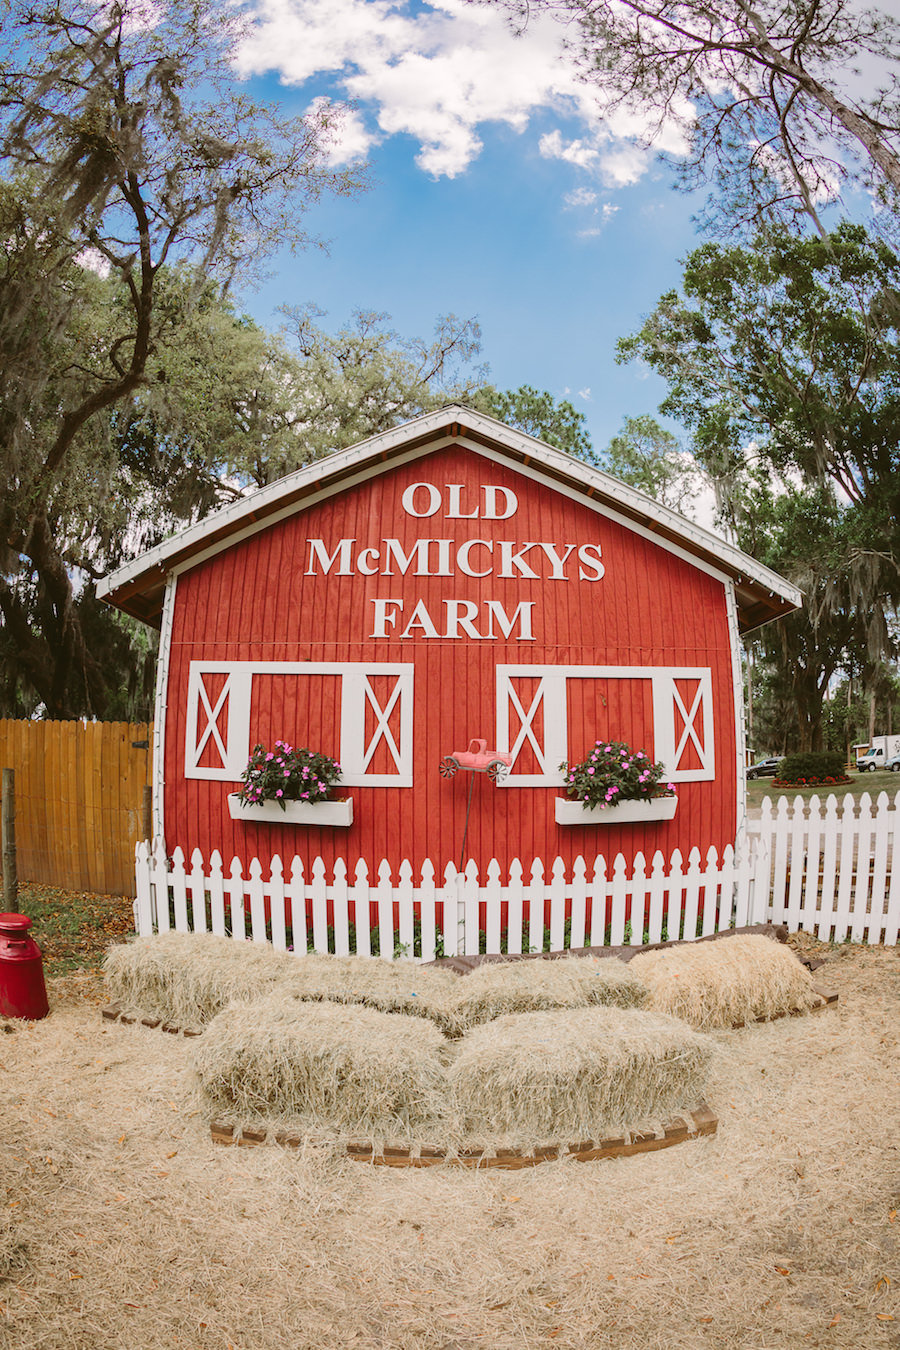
{"x": 139, "y": 587}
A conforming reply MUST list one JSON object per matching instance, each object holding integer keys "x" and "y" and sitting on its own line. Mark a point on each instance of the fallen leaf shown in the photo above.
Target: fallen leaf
{"x": 782, "y": 1270}
{"x": 173, "y": 1153}
{"x": 884, "y": 1317}
{"x": 834, "y": 1321}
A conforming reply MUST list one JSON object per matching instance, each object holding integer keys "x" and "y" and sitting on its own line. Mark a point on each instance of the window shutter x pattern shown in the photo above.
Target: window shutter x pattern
{"x": 218, "y": 717}
{"x": 682, "y": 719}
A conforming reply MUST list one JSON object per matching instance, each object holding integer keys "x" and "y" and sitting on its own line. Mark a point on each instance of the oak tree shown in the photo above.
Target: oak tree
{"x": 126, "y": 151}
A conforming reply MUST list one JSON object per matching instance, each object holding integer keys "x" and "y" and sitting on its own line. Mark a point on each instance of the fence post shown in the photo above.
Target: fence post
{"x": 8, "y": 812}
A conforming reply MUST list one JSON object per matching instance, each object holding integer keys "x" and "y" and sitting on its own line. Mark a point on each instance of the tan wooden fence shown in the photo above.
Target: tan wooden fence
{"x": 79, "y": 798}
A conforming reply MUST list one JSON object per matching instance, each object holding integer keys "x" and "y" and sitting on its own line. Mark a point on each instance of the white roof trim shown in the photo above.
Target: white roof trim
{"x": 340, "y": 461}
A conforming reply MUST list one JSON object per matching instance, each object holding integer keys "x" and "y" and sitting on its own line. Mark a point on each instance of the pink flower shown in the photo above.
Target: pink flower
{"x": 280, "y": 792}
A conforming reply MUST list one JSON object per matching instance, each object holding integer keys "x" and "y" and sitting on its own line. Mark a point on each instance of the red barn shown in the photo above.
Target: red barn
{"x": 448, "y": 579}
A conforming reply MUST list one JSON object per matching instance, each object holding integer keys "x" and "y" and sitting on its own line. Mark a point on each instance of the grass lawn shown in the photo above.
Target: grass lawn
{"x": 873, "y": 783}
{"x": 74, "y": 928}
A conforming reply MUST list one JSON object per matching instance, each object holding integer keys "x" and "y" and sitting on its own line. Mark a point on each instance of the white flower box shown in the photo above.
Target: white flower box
{"x": 294, "y": 813}
{"x": 571, "y": 812}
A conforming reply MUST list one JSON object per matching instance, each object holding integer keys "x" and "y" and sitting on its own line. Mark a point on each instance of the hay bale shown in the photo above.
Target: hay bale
{"x": 723, "y": 984}
{"x": 340, "y": 1070}
{"x": 496, "y": 990}
{"x": 386, "y": 986}
{"x": 188, "y": 978}
{"x": 576, "y": 1074}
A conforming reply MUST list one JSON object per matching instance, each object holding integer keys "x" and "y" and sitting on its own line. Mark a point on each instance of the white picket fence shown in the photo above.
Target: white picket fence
{"x": 825, "y": 869}
{"x": 458, "y": 914}
{"x": 828, "y": 867}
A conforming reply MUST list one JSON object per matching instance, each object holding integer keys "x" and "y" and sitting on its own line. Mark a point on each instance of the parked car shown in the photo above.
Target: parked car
{"x": 763, "y": 768}
{"x": 893, "y": 764}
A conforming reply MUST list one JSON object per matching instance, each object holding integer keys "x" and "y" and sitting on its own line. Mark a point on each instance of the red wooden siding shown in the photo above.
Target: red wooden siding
{"x": 255, "y": 602}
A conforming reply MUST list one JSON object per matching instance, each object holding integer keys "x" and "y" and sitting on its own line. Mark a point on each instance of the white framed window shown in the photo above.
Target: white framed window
{"x": 533, "y": 727}
{"x": 219, "y": 702}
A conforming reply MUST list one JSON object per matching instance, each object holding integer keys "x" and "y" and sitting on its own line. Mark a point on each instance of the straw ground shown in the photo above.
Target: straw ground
{"x": 126, "y": 1227}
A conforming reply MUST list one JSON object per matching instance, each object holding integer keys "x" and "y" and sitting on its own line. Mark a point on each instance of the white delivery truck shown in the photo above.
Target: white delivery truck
{"x": 879, "y": 750}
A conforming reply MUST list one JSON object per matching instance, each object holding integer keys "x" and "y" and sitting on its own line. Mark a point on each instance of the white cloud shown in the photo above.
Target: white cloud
{"x": 585, "y": 394}
{"x": 599, "y": 213}
{"x": 350, "y": 138}
{"x": 580, "y": 197}
{"x": 578, "y": 151}
{"x": 440, "y": 72}
{"x": 92, "y": 260}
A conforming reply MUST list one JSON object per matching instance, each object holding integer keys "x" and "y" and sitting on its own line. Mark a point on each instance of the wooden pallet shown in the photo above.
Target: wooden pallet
{"x": 828, "y": 999}
{"x": 692, "y": 1125}
{"x": 114, "y": 1012}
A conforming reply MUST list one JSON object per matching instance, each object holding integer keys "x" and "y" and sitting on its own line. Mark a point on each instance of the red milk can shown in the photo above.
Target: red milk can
{"x": 22, "y": 989}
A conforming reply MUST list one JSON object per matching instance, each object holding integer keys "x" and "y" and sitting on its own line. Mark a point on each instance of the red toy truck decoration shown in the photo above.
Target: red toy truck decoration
{"x": 477, "y": 759}
{"x": 450, "y": 574}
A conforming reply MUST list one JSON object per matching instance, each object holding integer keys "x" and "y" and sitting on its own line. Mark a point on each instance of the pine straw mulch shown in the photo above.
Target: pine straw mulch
{"x": 124, "y": 1226}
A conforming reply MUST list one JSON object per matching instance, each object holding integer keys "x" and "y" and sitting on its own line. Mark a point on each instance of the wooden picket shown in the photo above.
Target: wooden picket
{"x": 315, "y": 912}
{"x": 828, "y": 869}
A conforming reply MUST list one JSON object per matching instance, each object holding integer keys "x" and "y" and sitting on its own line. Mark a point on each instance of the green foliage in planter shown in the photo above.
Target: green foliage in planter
{"x": 611, "y": 773}
{"x": 811, "y": 768}
{"x": 287, "y": 775}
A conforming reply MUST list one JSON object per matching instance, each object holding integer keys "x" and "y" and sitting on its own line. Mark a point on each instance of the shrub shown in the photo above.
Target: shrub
{"x": 812, "y": 769}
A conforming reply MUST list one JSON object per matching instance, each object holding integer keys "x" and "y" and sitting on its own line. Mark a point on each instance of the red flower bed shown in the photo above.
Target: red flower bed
{"x": 811, "y": 782}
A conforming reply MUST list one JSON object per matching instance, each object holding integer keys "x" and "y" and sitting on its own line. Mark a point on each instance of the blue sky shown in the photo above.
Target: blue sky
{"x": 504, "y": 196}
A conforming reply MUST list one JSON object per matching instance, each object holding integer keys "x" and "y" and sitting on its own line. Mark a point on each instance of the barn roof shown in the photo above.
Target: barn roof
{"x": 138, "y": 588}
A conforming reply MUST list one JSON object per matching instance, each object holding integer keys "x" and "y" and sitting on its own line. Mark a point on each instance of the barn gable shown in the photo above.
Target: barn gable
{"x": 139, "y": 586}
{"x": 450, "y": 579}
